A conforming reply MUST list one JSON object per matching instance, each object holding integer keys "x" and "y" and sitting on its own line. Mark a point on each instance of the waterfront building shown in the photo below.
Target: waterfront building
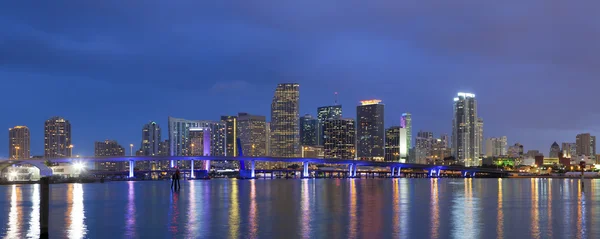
{"x": 309, "y": 130}
{"x": 406, "y": 134}
{"x": 57, "y": 138}
{"x": 180, "y": 140}
{"x": 253, "y": 135}
{"x": 466, "y": 138}
{"x": 586, "y": 145}
{"x": 424, "y": 146}
{"x": 325, "y": 113}
{"x": 151, "y": 140}
{"x": 392, "y": 144}
{"x": 496, "y": 147}
{"x": 569, "y": 150}
{"x": 109, "y": 148}
{"x": 19, "y": 142}
{"x": 516, "y": 151}
{"x": 231, "y": 135}
{"x": 285, "y": 128}
{"x": 340, "y": 138}
{"x": 370, "y": 131}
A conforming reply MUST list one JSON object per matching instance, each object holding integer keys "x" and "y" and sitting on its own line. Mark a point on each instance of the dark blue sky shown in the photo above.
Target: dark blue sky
{"x": 111, "y": 66}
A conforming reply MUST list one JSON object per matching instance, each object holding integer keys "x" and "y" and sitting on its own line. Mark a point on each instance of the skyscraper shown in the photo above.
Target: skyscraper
{"x": 231, "y": 135}
{"x": 285, "y": 128}
{"x": 406, "y": 123}
{"x": 479, "y": 137}
{"x": 554, "y": 150}
{"x": 108, "y": 148}
{"x": 370, "y": 131}
{"x": 516, "y": 151}
{"x": 57, "y": 138}
{"x": 180, "y": 140}
{"x": 268, "y": 136}
{"x": 325, "y": 113}
{"x": 466, "y": 138}
{"x": 309, "y": 130}
{"x": 19, "y": 142}
{"x": 339, "y": 138}
{"x": 424, "y": 146}
{"x": 151, "y": 139}
{"x": 253, "y": 135}
{"x": 569, "y": 150}
{"x": 586, "y": 145}
{"x": 392, "y": 144}
{"x": 495, "y": 147}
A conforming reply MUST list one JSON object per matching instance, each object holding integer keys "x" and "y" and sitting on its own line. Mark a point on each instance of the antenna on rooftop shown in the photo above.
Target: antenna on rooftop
{"x": 336, "y": 98}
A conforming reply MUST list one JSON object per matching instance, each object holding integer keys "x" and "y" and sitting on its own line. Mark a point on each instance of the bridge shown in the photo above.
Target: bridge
{"x": 352, "y": 165}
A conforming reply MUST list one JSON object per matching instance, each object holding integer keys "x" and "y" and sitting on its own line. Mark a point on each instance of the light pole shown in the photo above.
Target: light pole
{"x": 131, "y": 150}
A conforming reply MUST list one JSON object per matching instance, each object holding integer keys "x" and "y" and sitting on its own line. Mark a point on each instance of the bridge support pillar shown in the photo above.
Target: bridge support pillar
{"x": 399, "y": 171}
{"x": 393, "y": 172}
{"x": 192, "y": 169}
{"x": 473, "y": 174}
{"x": 305, "y": 173}
{"x": 465, "y": 174}
{"x": 350, "y": 170}
{"x": 355, "y": 169}
{"x": 252, "y": 167}
{"x": 131, "y": 168}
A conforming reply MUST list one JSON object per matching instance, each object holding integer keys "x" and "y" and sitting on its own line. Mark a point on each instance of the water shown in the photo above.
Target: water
{"x": 315, "y": 208}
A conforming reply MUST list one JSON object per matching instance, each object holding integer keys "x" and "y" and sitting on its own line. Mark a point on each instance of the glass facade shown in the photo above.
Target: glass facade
{"x": 151, "y": 140}
{"x": 57, "y": 138}
{"x": 325, "y": 113}
{"x": 231, "y": 135}
{"x": 253, "y": 134}
{"x": 285, "y": 128}
{"x": 309, "y": 130}
{"x": 466, "y": 138}
{"x": 370, "y": 131}
{"x": 19, "y": 142}
{"x": 339, "y": 138}
{"x": 392, "y": 144}
{"x": 180, "y": 140}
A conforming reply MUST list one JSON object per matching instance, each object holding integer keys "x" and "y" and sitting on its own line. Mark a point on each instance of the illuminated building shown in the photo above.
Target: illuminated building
{"x": 19, "y": 142}
{"x": 200, "y": 141}
{"x": 586, "y": 145}
{"x": 285, "y": 129}
{"x": 164, "y": 148}
{"x": 516, "y": 151}
{"x": 392, "y": 144}
{"x": 309, "y": 130}
{"x": 340, "y": 138}
{"x": 179, "y": 136}
{"x": 325, "y": 113}
{"x": 151, "y": 140}
{"x": 370, "y": 131}
{"x": 109, "y": 148}
{"x": 424, "y": 146}
{"x": 479, "y": 137}
{"x": 315, "y": 152}
{"x": 406, "y": 138}
{"x": 252, "y": 134}
{"x": 569, "y": 150}
{"x": 268, "y": 136}
{"x": 57, "y": 138}
{"x": 231, "y": 135}
{"x": 554, "y": 150}
{"x": 466, "y": 138}
{"x": 496, "y": 147}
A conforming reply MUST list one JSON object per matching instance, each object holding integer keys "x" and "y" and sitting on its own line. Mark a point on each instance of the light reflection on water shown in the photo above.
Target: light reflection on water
{"x": 340, "y": 208}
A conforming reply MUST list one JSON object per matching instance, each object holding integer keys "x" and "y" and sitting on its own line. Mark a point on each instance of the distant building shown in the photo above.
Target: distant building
{"x": 285, "y": 128}
{"x": 370, "y": 131}
{"x": 424, "y": 146}
{"x": 516, "y": 151}
{"x": 406, "y": 137}
{"x": 533, "y": 153}
{"x": 554, "y": 150}
{"x": 231, "y": 135}
{"x": 57, "y": 138}
{"x": 496, "y": 147}
{"x": 392, "y": 144}
{"x": 109, "y": 148}
{"x": 340, "y": 139}
{"x": 19, "y": 142}
{"x": 325, "y": 113}
{"x": 569, "y": 150}
{"x": 269, "y": 136}
{"x": 180, "y": 141}
{"x": 164, "y": 148}
{"x": 309, "y": 130}
{"x": 586, "y": 145}
{"x": 440, "y": 151}
{"x": 253, "y": 135}
{"x": 151, "y": 140}
{"x": 466, "y": 138}
{"x": 479, "y": 137}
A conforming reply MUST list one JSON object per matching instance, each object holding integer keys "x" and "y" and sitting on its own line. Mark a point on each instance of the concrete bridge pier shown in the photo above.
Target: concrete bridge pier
{"x": 131, "y": 168}
{"x": 305, "y": 173}
{"x": 398, "y": 171}
{"x": 393, "y": 172}
{"x": 355, "y": 169}
{"x": 192, "y": 169}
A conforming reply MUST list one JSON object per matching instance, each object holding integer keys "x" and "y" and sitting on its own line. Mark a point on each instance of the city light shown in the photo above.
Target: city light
{"x": 370, "y": 102}
{"x": 79, "y": 166}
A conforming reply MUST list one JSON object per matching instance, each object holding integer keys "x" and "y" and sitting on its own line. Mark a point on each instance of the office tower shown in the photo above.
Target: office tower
{"x": 554, "y": 150}
{"x": 285, "y": 129}
{"x": 180, "y": 140}
{"x": 57, "y": 138}
{"x": 325, "y": 113}
{"x": 479, "y": 137}
{"x": 268, "y": 136}
{"x": 19, "y": 142}
{"x": 495, "y": 147}
{"x": 151, "y": 140}
{"x": 586, "y": 145}
{"x": 516, "y": 151}
{"x": 231, "y": 135}
{"x": 424, "y": 146}
{"x": 393, "y": 144}
{"x": 339, "y": 138}
{"x": 370, "y": 131}
{"x": 465, "y": 126}
{"x": 108, "y": 148}
{"x": 569, "y": 150}
{"x": 406, "y": 123}
{"x": 252, "y": 134}
{"x": 309, "y": 130}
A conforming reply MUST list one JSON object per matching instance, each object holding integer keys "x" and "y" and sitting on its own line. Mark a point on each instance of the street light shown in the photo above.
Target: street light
{"x": 131, "y": 150}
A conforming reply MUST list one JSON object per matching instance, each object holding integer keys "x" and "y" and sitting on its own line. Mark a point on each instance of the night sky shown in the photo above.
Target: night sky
{"x": 111, "y": 66}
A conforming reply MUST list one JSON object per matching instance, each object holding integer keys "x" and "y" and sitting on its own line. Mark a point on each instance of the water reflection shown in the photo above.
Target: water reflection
{"x": 535, "y": 216}
{"x": 77, "y": 226}
{"x": 581, "y": 228}
{"x": 404, "y": 208}
{"x": 130, "y": 214}
{"x": 500, "y": 219}
{"x": 305, "y": 209}
{"x": 34, "y": 220}
{"x": 463, "y": 213}
{"x": 253, "y": 218}
{"x": 15, "y": 214}
{"x": 353, "y": 216}
{"x": 174, "y": 213}
{"x": 234, "y": 211}
{"x": 435, "y": 209}
{"x": 396, "y": 208}
{"x": 192, "y": 226}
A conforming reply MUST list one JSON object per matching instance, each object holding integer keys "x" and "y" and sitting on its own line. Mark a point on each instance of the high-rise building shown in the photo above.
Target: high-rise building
{"x": 231, "y": 135}
{"x": 57, "y": 138}
{"x": 108, "y": 148}
{"x": 164, "y": 148}
{"x": 569, "y": 150}
{"x": 340, "y": 138}
{"x": 406, "y": 123}
{"x": 440, "y": 150}
{"x": 444, "y": 141}
{"x": 516, "y": 151}
{"x": 479, "y": 137}
{"x": 496, "y": 147}
{"x": 180, "y": 140}
{"x": 466, "y": 140}
{"x": 309, "y": 130}
{"x": 200, "y": 141}
{"x": 268, "y": 136}
{"x": 554, "y": 150}
{"x": 285, "y": 128}
{"x": 253, "y": 135}
{"x": 151, "y": 140}
{"x": 586, "y": 145}
{"x": 19, "y": 142}
{"x": 370, "y": 131}
{"x": 392, "y": 144}
{"x": 424, "y": 146}
{"x": 325, "y": 113}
